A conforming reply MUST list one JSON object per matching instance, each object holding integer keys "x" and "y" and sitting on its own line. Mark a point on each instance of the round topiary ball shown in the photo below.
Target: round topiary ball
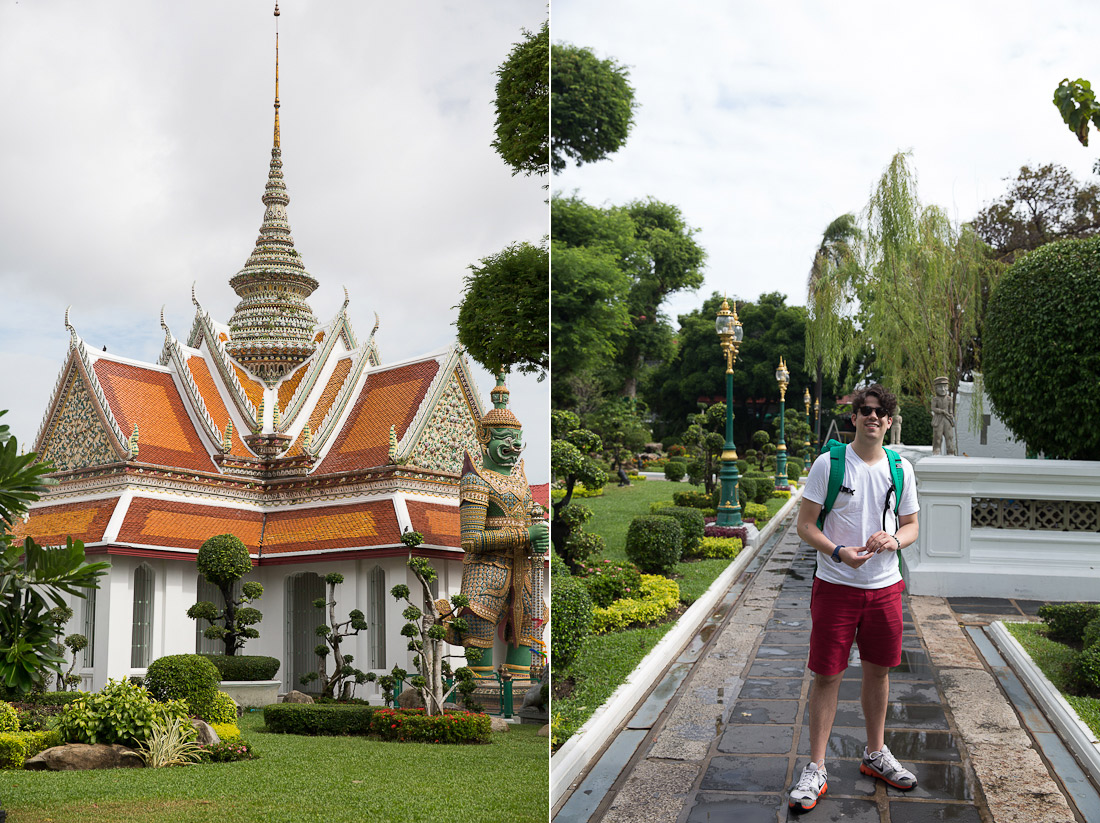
{"x": 654, "y": 543}
{"x": 223, "y": 559}
{"x": 691, "y": 522}
{"x": 571, "y": 610}
{"x": 187, "y": 677}
{"x": 1041, "y": 348}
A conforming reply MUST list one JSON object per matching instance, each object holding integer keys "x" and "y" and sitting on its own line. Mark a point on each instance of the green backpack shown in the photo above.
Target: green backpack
{"x": 836, "y": 479}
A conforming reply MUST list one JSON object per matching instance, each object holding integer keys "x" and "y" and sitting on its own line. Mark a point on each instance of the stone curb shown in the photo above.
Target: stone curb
{"x": 1076, "y": 735}
{"x": 581, "y": 750}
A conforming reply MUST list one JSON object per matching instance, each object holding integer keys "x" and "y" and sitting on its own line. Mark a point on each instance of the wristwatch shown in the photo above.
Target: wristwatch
{"x": 836, "y": 554}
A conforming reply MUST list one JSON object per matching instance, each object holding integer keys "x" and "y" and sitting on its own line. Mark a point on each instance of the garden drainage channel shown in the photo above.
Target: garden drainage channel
{"x": 589, "y": 801}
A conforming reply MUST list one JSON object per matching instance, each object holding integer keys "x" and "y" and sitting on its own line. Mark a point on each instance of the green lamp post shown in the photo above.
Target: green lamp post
{"x": 807, "y": 449}
{"x": 817, "y": 423}
{"x": 782, "y": 376}
{"x": 729, "y": 336}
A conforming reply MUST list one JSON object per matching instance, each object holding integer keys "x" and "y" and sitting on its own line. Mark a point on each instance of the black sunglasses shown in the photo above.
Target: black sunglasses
{"x": 878, "y": 411}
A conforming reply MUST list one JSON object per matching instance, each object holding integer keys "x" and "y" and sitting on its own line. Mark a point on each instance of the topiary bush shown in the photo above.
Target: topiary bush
{"x": 570, "y": 619}
{"x": 675, "y": 471}
{"x": 318, "y": 718}
{"x": 795, "y": 467}
{"x": 691, "y": 526}
{"x": 654, "y": 543}
{"x": 191, "y": 678}
{"x": 1066, "y": 622}
{"x": 1041, "y": 347}
{"x": 607, "y": 581}
{"x": 244, "y": 666}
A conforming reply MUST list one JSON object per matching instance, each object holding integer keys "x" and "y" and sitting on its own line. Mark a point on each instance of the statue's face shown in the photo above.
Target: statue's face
{"x": 505, "y": 446}
{"x": 941, "y": 389}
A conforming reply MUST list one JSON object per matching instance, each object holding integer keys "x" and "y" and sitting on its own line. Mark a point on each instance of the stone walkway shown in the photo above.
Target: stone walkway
{"x": 725, "y": 735}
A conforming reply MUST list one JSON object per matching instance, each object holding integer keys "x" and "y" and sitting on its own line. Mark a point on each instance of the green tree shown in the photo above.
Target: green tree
{"x": 620, "y": 426}
{"x": 1042, "y": 364}
{"x": 223, "y": 560}
{"x": 344, "y": 676}
{"x": 523, "y": 105}
{"x": 1042, "y": 204}
{"x": 571, "y": 461}
{"x": 502, "y": 320}
{"x": 33, "y": 579}
{"x": 1076, "y": 102}
{"x": 705, "y": 436}
{"x": 591, "y": 106}
{"x": 916, "y": 282}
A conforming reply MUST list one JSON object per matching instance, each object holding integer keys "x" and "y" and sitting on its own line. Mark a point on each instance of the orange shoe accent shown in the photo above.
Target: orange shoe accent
{"x": 867, "y": 770}
{"x": 824, "y": 788}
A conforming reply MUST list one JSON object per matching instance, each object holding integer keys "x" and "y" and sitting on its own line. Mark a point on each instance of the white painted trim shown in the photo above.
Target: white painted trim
{"x": 110, "y": 534}
{"x": 580, "y": 751}
{"x": 1074, "y": 733}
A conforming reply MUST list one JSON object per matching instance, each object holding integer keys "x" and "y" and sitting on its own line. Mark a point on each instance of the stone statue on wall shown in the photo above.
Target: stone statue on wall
{"x": 943, "y": 419}
{"x": 895, "y": 430}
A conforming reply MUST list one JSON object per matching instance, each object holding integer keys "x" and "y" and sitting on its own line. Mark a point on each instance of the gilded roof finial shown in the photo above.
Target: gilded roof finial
{"x": 276, "y": 75}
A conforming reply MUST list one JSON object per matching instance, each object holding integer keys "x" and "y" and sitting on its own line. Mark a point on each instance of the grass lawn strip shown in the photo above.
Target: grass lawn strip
{"x": 1055, "y": 660}
{"x": 331, "y": 779}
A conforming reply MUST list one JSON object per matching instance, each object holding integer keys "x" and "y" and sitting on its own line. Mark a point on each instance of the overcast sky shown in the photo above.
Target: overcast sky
{"x": 765, "y": 121}
{"x": 135, "y": 150}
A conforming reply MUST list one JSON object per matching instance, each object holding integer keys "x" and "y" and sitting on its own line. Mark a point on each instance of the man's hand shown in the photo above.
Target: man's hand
{"x": 855, "y": 556}
{"x": 881, "y": 542}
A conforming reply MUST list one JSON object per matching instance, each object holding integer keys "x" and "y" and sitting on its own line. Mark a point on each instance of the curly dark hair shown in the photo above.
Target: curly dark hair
{"x": 885, "y": 397}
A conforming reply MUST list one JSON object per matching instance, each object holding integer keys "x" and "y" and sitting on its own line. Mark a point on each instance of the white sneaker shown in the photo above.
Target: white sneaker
{"x": 885, "y": 766}
{"x": 811, "y": 785}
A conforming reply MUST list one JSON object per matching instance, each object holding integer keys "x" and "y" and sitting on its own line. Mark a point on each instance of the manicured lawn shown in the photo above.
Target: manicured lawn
{"x": 330, "y": 779}
{"x": 619, "y": 505}
{"x": 1055, "y": 660}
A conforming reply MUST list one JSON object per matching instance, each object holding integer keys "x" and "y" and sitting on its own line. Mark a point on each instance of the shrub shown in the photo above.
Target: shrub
{"x": 9, "y": 717}
{"x": 654, "y": 543}
{"x": 318, "y": 718}
{"x": 15, "y": 747}
{"x": 676, "y": 450}
{"x": 1050, "y": 295}
{"x": 557, "y": 566}
{"x": 222, "y": 709}
{"x": 120, "y": 712}
{"x": 244, "y": 666}
{"x": 1091, "y": 635}
{"x": 226, "y": 731}
{"x": 782, "y": 494}
{"x": 713, "y": 530}
{"x": 658, "y": 506}
{"x": 51, "y": 698}
{"x": 228, "y": 751}
{"x": 607, "y": 582}
{"x": 191, "y": 678}
{"x": 757, "y": 487}
{"x": 695, "y": 470}
{"x": 1067, "y": 621}
{"x": 223, "y": 560}
{"x": 579, "y": 490}
{"x": 171, "y": 743}
{"x": 413, "y": 725}
{"x": 757, "y": 512}
{"x": 675, "y": 471}
{"x": 795, "y": 467}
{"x": 691, "y": 525}
{"x": 658, "y": 596}
{"x": 718, "y": 548}
{"x": 581, "y": 545}
{"x": 570, "y": 618}
{"x": 693, "y": 500}
{"x": 1086, "y": 671}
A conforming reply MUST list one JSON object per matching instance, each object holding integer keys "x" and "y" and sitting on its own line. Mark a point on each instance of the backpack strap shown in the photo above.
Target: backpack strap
{"x": 836, "y": 478}
{"x": 897, "y": 476}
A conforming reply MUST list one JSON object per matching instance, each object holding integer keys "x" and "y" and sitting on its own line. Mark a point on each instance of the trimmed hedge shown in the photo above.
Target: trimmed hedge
{"x": 693, "y": 500}
{"x": 191, "y": 678}
{"x": 718, "y": 548}
{"x": 1086, "y": 671}
{"x": 757, "y": 512}
{"x": 1091, "y": 635}
{"x": 658, "y": 597}
{"x": 570, "y": 618}
{"x": 654, "y": 543}
{"x": 227, "y": 731}
{"x": 1067, "y": 621}
{"x": 50, "y": 698}
{"x": 675, "y": 471}
{"x": 245, "y": 666}
{"x": 318, "y": 718}
{"x": 691, "y": 525}
{"x": 15, "y": 747}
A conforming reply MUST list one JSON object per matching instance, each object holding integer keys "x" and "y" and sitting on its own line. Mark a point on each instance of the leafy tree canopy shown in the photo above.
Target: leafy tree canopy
{"x": 592, "y": 106}
{"x": 1076, "y": 102}
{"x": 502, "y": 320}
{"x": 523, "y": 105}
{"x": 1042, "y": 204}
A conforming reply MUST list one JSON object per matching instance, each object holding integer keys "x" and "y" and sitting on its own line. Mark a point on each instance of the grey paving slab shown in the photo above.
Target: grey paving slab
{"x": 658, "y": 699}
{"x": 583, "y": 802}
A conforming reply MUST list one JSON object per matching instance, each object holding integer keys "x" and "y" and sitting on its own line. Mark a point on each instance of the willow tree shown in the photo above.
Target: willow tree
{"x": 911, "y": 290}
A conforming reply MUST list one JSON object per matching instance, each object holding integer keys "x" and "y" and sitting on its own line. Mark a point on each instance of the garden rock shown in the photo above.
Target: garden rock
{"x": 207, "y": 735}
{"x": 410, "y": 699}
{"x": 84, "y": 756}
{"x": 297, "y": 697}
{"x": 499, "y": 724}
{"x": 545, "y": 731}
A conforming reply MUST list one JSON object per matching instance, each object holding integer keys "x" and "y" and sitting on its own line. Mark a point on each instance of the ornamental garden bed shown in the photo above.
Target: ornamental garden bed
{"x": 401, "y": 725}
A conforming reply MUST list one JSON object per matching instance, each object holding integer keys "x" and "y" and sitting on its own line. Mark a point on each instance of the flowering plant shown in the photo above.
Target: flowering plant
{"x": 227, "y": 751}
{"x": 607, "y": 581}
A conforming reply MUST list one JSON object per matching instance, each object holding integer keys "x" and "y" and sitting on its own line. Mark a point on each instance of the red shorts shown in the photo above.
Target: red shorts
{"x": 841, "y": 614}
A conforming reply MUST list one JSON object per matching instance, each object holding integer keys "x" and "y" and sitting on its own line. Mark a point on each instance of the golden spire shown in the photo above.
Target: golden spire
{"x": 277, "y": 75}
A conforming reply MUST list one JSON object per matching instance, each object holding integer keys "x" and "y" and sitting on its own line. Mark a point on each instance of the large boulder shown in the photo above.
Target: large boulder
{"x": 410, "y": 699}
{"x": 206, "y": 734}
{"x": 499, "y": 724}
{"x": 296, "y": 696}
{"x": 83, "y": 756}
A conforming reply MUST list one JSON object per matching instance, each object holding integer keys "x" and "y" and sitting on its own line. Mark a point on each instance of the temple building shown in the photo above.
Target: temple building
{"x": 289, "y": 433}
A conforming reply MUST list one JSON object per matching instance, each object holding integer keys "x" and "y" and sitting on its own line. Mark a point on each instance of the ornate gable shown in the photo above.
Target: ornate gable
{"x": 77, "y": 438}
{"x": 450, "y": 431}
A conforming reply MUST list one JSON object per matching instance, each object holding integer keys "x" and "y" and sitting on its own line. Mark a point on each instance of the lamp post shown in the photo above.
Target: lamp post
{"x": 729, "y": 336}
{"x": 809, "y": 428}
{"x": 817, "y": 423}
{"x": 782, "y": 376}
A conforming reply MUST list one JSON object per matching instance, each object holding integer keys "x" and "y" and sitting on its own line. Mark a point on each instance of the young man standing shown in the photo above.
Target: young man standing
{"x": 857, "y": 589}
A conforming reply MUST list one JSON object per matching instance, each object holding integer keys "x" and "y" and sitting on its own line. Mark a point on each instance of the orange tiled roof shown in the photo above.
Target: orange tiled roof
{"x": 252, "y": 390}
{"x": 331, "y": 527}
{"x": 179, "y": 525}
{"x": 389, "y": 398}
{"x": 149, "y": 399}
{"x": 541, "y": 495}
{"x": 439, "y": 524}
{"x": 214, "y": 404}
{"x": 50, "y": 525}
{"x": 290, "y": 385}
{"x": 328, "y": 397}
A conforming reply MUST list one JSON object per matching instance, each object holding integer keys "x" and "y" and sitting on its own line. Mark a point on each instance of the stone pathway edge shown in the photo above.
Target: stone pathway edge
{"x": 1079, "y": 737}
{"x": 580, "y": 750}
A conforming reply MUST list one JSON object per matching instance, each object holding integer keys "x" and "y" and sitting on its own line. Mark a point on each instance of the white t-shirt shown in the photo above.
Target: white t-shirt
{"x": 857, "y": 514}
